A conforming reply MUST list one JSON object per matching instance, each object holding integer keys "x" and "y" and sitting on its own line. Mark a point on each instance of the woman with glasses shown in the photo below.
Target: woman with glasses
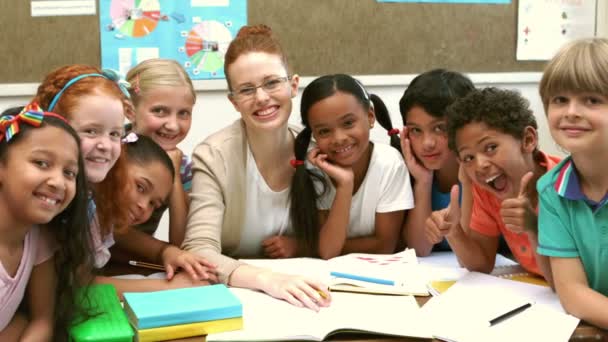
{"x": 242, "y": 175}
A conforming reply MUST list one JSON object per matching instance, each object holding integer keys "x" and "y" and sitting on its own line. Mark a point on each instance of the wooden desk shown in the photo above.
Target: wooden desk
{"x": 583, "y": 333}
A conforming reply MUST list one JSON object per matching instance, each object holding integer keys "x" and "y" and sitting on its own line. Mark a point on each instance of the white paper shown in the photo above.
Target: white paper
{"x": 545, "y": 25}
{"x": 42, "y": 8}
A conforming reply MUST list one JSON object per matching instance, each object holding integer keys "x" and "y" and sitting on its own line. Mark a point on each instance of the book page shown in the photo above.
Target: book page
{"x": 268, "y": 318}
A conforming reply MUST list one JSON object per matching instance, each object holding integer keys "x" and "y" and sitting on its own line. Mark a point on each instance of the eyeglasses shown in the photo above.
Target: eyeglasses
{"x": 269, "y": 86}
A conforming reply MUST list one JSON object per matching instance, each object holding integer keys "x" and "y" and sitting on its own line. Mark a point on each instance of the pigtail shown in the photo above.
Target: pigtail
{"x": 384, "y": 118}
{"x": 303, "y": 194}
{"x": 112, "y": 209}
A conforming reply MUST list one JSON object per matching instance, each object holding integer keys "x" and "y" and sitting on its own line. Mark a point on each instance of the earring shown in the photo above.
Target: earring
{"x": 371, "y": 125}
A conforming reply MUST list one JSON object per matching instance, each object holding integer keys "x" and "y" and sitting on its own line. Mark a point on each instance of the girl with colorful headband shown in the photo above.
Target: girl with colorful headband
{"x": 43, "y": 206}
{"x": 357, "y": 203}
{"x": 94, "y": 102}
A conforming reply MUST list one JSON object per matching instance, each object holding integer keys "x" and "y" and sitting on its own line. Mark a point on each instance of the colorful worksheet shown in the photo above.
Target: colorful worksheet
{"x": 196, "y": 33}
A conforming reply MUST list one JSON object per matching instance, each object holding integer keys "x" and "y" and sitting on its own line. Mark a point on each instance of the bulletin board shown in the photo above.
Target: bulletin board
{"x": 359, "y": 37}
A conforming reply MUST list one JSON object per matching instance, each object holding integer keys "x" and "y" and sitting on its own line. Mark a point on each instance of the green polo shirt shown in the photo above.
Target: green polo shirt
{"x": 571, "y": 225}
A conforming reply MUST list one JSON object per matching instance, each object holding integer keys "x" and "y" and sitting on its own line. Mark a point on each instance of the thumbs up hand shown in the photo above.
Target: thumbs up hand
{"x": 442, "y": 222}
{"x": 517, "y": 213}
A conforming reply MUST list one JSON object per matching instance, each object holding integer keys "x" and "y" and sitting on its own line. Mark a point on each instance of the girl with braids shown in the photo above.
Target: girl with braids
{"x": 94, "y": 102}
{"x": 43, "y": 205}
{"x": 361, "y": 207}
{"x": 241, "y": 174}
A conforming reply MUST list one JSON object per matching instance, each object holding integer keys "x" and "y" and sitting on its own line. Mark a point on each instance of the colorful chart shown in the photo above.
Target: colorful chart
{"x": 195, "y": 33}
{"x": 206, "y": 45}
{"x": 135, "y": 18}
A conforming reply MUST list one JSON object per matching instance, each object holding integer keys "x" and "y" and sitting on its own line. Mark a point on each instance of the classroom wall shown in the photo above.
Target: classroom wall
{"x": 213, "y": 110}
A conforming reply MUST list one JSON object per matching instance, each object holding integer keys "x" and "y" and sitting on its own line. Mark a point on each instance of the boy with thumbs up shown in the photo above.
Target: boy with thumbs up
{"x": 493, "y": 133}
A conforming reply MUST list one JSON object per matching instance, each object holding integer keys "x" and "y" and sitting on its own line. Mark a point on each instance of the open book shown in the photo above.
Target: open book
{"x": 270, "y": 319}
{"x": 401, "y": 269}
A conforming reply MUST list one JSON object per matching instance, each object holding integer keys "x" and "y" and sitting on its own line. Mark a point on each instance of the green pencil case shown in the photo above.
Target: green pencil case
{"x": 108, "y": 323}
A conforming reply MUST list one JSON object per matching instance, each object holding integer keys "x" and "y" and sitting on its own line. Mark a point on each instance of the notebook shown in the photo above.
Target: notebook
{"x": 486, "y": 297}
{"x": 180, "y": 306}
{"x": 173, "y": 332}
{"x": 270, "y": 319}
{"x": 108, "y": 322}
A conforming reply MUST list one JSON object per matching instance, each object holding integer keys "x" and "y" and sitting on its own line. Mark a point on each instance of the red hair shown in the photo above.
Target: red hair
{"x": 112, "y": 209}
{"x": 253, "y": 38}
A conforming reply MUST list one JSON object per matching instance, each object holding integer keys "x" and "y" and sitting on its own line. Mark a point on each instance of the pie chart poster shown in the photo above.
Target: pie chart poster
{"x": 196, "y": 33}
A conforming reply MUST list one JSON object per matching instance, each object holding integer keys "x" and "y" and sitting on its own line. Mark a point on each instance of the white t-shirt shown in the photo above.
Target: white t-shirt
{"x": 266, "y": 213}
{"x": 385, "y": 188}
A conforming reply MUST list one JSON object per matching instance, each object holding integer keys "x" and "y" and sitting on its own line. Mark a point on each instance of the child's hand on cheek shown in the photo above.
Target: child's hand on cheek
{"x": 416, "y": 168}
{"x": 341, "y": 175}
{"x": 176, "y": 157}
{"x": 442, "y": 222}
{"x": 517, "y": 213}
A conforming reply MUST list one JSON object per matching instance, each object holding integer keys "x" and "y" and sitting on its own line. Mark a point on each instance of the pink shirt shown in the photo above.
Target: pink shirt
{"x": 37, "y": 248}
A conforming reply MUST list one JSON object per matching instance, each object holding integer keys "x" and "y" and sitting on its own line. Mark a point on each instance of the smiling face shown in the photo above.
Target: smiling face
{"x": 164, "y": 113}
{"x": 98, "y": 119}
{"x": 579, "y": 122}
{"x": 340, "y": 125}
{"x": 428, "y": 138}
{"x": 149, "y": 186}
{"x": 265, "y": 109}
{"x": 495, "y": 160}
{"x": 38, "y": 175}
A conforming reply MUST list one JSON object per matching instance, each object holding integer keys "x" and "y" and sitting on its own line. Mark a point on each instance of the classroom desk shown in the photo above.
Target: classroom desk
{"x": 583, "y": 333}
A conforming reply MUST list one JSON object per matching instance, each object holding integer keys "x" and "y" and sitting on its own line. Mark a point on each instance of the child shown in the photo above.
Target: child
{"x": 42, "y": 205}
{"x": 363, "y": 207}
{"x": 493, "y": 132}
{"x": 94, "y": 102}
{"x": 424, "y": 141}
{"x": 163, "y": 97}
{"x": 573, "y": 196}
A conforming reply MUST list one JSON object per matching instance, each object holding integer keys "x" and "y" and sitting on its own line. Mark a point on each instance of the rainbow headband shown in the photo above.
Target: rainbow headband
{"x": 31, "y": 114}
{"x": 108, "y": 74}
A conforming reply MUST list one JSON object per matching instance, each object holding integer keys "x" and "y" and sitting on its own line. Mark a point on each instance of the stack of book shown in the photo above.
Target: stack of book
{"x": 179, "y": 313}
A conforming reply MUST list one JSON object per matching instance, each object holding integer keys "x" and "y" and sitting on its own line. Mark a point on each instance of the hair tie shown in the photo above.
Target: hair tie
{"x": 295, "y": 163}
{"x": 130, "y": 138}
{"x": 108, "y": 74}
{"x": 393, "y": 131}
{"x": 31, "y": 114}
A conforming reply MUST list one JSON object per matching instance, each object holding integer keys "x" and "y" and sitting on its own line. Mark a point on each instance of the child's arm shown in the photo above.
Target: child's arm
{"x": 334, "y": 224}
{"x": 41, "y": 301}
{"x": 173, "y": 258}
{"x": 519, "y": 216}
{"x": 475, "y": 251}
{"x": 575, "y": 294}
{"x": 178, "y": 202}
{"x": 384, "y": 240}
{"x": 14, "y": 330}
{"x": 413, "y": 232}
{"x": 180, "y": 280}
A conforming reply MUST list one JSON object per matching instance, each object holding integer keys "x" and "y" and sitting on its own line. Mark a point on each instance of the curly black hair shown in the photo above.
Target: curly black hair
{"x": 500, "y": 109}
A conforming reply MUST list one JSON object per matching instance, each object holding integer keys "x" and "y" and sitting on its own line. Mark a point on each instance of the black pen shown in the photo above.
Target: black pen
{"x": 509, "y": 314}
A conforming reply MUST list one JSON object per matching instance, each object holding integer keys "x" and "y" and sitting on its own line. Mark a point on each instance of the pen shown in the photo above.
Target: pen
{"x": 509, "y": 314}
{"x": 146, "y": 265}
{"x": 362, "y": 278}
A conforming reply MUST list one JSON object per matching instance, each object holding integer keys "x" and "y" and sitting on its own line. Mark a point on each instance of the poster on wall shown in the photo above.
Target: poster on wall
{"x": 196, "y": 33}
{"x": 453, "y": 1}
{"x": 545, "y": 25}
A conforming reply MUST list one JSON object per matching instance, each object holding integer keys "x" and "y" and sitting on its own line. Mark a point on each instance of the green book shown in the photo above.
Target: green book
{"x": 108, "y": 321}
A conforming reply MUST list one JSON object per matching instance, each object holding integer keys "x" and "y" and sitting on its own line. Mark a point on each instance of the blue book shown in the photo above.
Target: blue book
{"x": 181, "y": 306}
